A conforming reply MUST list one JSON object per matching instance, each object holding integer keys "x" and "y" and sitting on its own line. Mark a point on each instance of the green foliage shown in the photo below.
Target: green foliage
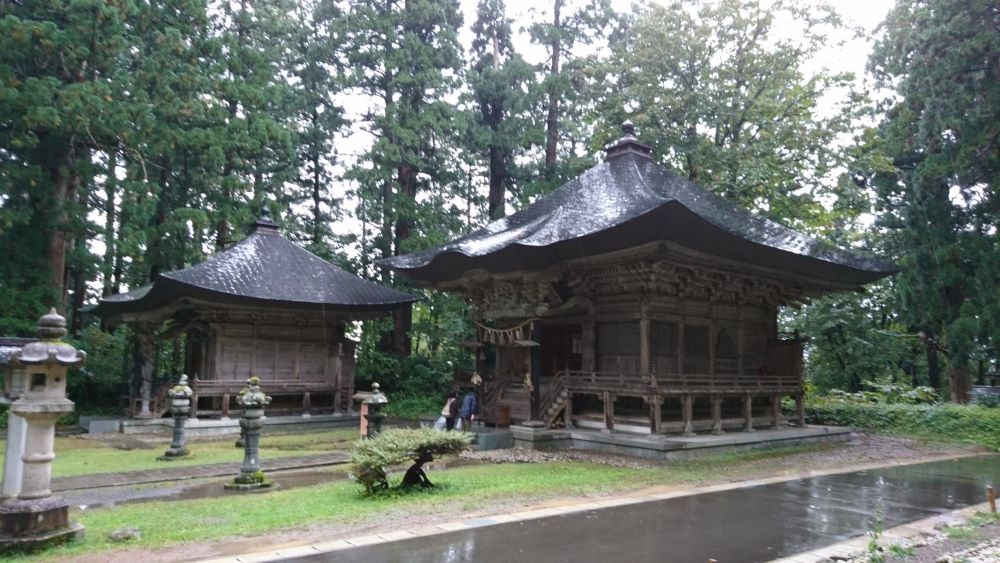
{"x": 853, "y": 337}
{"x": 946, "y": 422}
{"x": 723, "y": 96}
{"x": 413, "y": 407}
{"x": 887, "y": 394}
{"x": 935, "y": 201}
{"x": 371, "y": 459}
{"x": 987, "y": 400}
{"x": 101, "y": 381}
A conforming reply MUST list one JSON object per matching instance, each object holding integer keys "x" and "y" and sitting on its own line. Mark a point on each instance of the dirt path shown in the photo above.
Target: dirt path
{"x": 864, "y": 451}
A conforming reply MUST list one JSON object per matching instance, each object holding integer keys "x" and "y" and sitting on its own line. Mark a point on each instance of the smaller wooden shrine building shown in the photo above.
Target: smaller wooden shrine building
{"x": 631, "y": 298}
{"x": 264, "y": 307}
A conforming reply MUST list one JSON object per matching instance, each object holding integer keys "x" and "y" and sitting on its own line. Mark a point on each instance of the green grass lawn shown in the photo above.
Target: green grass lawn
{"x": 460, "y": 489}
{"x": 79, "y": 456}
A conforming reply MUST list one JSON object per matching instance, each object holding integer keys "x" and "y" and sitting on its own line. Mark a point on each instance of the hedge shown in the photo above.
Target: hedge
{"x": 957, "y": 423}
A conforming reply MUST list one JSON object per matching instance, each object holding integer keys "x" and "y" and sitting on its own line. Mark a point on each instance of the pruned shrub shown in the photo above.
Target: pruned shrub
{"x": 373, "y": 458}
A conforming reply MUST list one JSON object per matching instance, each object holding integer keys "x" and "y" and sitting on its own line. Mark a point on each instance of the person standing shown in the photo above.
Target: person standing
{"x": 468, "y": 409}
{"x": 450, "y": 411}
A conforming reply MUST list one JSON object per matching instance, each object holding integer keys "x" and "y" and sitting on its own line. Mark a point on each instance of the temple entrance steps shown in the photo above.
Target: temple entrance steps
{"x": 556, "y": 407}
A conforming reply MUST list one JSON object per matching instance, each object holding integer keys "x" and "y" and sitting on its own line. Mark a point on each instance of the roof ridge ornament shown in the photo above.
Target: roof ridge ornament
{"x": 627, "y": 144}
{"x": 264, "y": 223}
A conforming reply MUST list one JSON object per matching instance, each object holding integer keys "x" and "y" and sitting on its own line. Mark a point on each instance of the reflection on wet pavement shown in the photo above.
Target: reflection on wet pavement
{"x": 752, "y": 524}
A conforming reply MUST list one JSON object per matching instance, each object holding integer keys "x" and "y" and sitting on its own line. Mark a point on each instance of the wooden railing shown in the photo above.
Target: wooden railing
{"x": 645, "y": 384}
{"x": 555, "y": 387}
{"x": 159, "y": 403}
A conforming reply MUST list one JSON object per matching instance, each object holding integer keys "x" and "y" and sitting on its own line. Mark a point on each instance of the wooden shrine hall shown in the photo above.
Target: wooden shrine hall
{"x": 632, "y": 299}
{"x": 264, "y": 307}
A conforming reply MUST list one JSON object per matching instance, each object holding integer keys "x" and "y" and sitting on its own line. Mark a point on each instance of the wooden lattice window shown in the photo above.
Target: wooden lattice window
{"x": 727, "y": 352}
{"x": 696, "y": 351}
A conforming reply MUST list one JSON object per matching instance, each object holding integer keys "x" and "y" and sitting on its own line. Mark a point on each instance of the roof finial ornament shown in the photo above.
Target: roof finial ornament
{"x": 265, "y": 223}
{"x": 627, "y": 144}
{"x": 628, "y": 128}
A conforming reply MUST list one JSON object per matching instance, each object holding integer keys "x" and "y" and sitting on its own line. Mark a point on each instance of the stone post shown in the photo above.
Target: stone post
{"x": 180, "y": 407}
{"x": 253, "y": 401}
{"x": 36, "y": 518}
{"x": 13, "y": 467}
{"x": 373, "y": 412}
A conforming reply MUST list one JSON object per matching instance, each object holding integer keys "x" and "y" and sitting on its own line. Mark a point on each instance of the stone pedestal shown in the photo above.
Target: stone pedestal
{"x": 250, "y": 476}
{"x": 178, "y": 446}
{"x": 35, "y": 518}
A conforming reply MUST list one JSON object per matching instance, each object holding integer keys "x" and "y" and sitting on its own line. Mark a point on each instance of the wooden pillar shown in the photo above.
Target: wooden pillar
{"x": 713, "y": 333}
{"x": 655, "y": 403}
{"x": 536, "y": 369}
{"x": 338, "y": 378}
{"x": 687, "y": 402}
{"x": 776, "y": 418}
{"x": 748, "y": 412}
{"x": 609, "y": 411}
{"x": 644, "y": 337}
{"x": 680, "y": 349}
{"x": 146, "y": 356}
{"x": 225, "y": 405}
{"x": 716, "y": 414}
{"x": 800, "y": 409}
{"x": 306, "y": 404}
{"x": 568, "y": 416}
{"x": 588, "y": 343}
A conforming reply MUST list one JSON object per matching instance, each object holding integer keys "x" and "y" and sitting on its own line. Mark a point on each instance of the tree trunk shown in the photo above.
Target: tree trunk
{"x": 933, "y": 366}
{"x": 110, "y": 243}
{"x": 958, "y": 379}
{"x": 552, "y": 120}
{"x": 497, "y": 176}
{"x": 62, "y": 182}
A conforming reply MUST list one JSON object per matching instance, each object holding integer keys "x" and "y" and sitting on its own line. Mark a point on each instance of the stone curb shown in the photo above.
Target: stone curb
{"x": 189, "y": 472}
{"x": 858, "y": 546}
{"x": 279, "y": 553}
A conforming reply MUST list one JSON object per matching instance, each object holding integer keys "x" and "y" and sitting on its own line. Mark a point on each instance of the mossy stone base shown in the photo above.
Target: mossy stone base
{"x": 234, "y": 486}
{"x": 174, "y": 455}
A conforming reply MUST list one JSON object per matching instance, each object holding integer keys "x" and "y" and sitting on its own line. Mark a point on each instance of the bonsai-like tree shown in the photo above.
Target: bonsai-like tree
{"x": 373, "y": 458}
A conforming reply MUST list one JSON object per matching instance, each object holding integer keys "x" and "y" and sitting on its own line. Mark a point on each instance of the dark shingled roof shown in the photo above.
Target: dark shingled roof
{"x": 264, "y": 269}
{"x": 626, "y": 201}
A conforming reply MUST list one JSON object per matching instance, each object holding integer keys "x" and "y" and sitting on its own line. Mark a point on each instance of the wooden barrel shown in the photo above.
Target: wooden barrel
{"x": 503, "y": 416}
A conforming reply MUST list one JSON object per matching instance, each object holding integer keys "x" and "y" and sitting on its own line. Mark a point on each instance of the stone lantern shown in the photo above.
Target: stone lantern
{"x": 253, "y": 401}
{"x": 180, "y": 407}
{"x": 35, "y": 517}
{"x": 373, "y": 413}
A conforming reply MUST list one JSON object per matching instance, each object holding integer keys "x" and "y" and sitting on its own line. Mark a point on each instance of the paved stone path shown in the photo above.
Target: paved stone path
{"x": 184, "y": 473}
{"x": 355, "y": 548}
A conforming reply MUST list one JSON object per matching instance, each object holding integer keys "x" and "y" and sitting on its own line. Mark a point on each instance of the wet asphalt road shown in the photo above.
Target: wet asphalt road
{"x": 753, "y": 524}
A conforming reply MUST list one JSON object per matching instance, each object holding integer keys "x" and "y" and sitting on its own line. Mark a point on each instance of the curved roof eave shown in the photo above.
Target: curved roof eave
{"x": 626, "y": 197}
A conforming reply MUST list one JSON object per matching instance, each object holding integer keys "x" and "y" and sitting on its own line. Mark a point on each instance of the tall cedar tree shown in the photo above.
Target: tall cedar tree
{"x": 405, "y": 55}
{"x": 574, "y": 38}
{"x": 315, "y": 62}
{"x": 942, "y": 131}
{"x": 500, "y": 82}
{"x": 61, "y": 98}
{"x": 723, "y": 97}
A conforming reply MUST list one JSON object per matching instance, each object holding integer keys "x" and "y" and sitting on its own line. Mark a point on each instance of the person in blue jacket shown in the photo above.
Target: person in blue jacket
{"x": 470, "y": 404}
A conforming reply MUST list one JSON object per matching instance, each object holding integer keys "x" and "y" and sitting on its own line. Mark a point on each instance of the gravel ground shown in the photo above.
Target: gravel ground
{"x": 979, "y": 545}
{"x": 861, "y": 449}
